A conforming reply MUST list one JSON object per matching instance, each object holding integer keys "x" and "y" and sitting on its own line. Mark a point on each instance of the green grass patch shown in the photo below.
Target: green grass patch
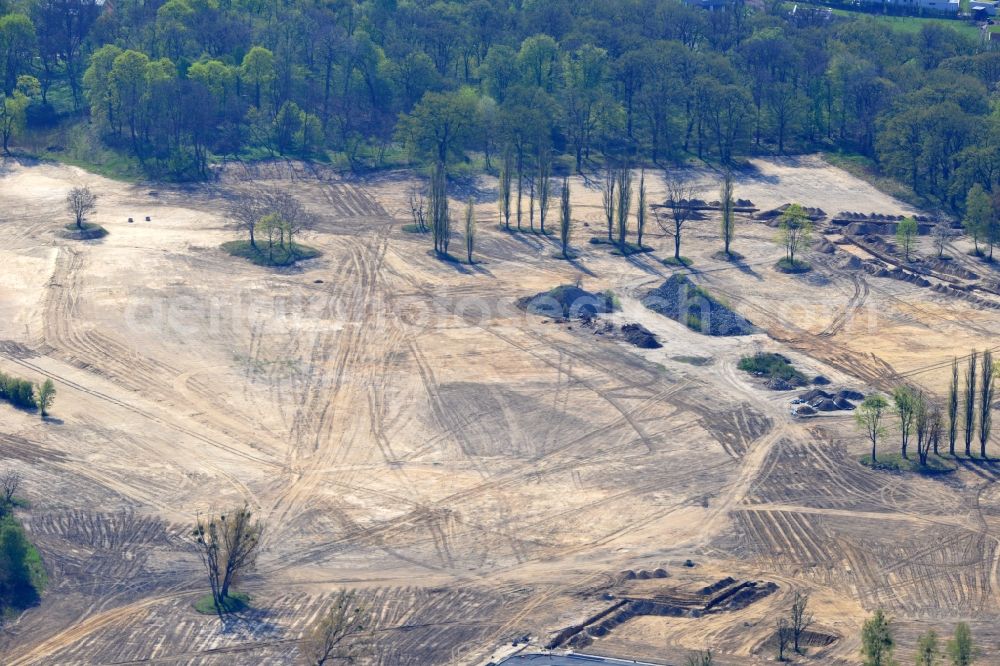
{"x": 619, "y": 250}
{"x": 895, "y": 462}
{"x": 278, "y": 255}
{"x": 775, "y": 366}
{"x": 722, "y": 255}
{"x": 233, "y": 603}
{"x": 682, "y": 262}
{"x": 694, "y": 360}
{"x": 786, "y": 265}
{"x": 569, "y": 256}
{"x": 415, "y": 229}
{"x": 87, "y": 231}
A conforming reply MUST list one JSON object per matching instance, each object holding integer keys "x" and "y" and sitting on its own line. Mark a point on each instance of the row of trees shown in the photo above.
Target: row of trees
{"x": 878, "y": 644}
{"x": 431, "y": 212}
{"x": 272, "y": 220}
{"x": 176, "y": 82}
{"x": 26, "y": 394}
{"x": 968, "y": 411}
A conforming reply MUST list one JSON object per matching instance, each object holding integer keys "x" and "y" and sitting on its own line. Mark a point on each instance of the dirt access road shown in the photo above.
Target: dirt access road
{"x": 475, "y": 473}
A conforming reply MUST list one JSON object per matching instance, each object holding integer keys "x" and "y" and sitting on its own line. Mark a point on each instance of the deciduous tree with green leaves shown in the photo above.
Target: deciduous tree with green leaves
{"x": 876, "y": 640}
{"x": 960, "y": 648}
{"x": 869, "y": 416}
{"x": 795, "y": 230}
{"x": 906, "y": 235}
{"x": 978, "y": 212}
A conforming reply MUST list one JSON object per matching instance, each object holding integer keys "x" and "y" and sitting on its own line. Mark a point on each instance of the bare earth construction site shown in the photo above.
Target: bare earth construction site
{"x": 477, "y": 473}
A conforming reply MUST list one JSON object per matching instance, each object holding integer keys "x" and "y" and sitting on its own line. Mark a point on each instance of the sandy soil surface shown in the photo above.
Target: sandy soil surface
{"x": 475, "y": 473}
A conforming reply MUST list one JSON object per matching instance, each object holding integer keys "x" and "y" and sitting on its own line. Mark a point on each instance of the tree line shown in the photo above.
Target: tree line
{"x": 966, "y": 417}
{"x": 26, "y": 394}
{"x": 878, "y": 645}
{"x": 179, "y": 82}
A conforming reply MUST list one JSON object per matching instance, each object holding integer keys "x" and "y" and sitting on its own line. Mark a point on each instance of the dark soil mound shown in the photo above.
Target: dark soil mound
{"x": 804, "y": 410}
{"x": 567, "y": 301}
{"x": 779, "y": 384}
{"x": 809, "y": 396}
{"x": 640, "y": 336}
{"x": 90, "y": 231}
{"x": 843, "y": 404}
{"x": 683, "y": 301}
{"x": 820, "y": 380}
{"x": 825, "y": 405}
{"x": 848, "y": 394}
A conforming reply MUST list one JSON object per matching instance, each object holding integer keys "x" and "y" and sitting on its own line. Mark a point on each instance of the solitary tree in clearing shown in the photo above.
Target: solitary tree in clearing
{"x": 795, "y": 231}
{"x": 906, "y": 235}
{"x": 869, "y": 416}
{"x": 228, "y": 544}
{"x": 46, "y": 394}
{"x": 679, "y": 196}
{"x": 876, "y": 640}
{"x": 81, "y": 202}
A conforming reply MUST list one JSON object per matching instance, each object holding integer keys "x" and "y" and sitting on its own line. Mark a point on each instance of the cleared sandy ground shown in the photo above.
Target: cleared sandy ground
{"x": 477, "y": 474}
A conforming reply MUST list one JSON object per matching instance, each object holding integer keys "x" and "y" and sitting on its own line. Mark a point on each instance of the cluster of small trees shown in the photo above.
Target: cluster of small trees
{"x": 272, "y": 219}
{"x": 968, "y": 411}
{"x": 878, "y": 644}
{"x": 616, "y": 200}
{"x": 14, "y": 108}
{"x": 436, "y": 210}
{"x": 26, "y": 394}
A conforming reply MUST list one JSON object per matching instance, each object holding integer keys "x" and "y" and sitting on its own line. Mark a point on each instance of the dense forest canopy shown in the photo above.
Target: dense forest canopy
{"x": 176, "y": 84}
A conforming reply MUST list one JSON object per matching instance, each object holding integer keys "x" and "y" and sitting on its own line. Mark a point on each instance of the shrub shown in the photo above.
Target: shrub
{"x": 22, "y": 575}
{"x": 772, "y": 365}
{"x": 19, "y": 392}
